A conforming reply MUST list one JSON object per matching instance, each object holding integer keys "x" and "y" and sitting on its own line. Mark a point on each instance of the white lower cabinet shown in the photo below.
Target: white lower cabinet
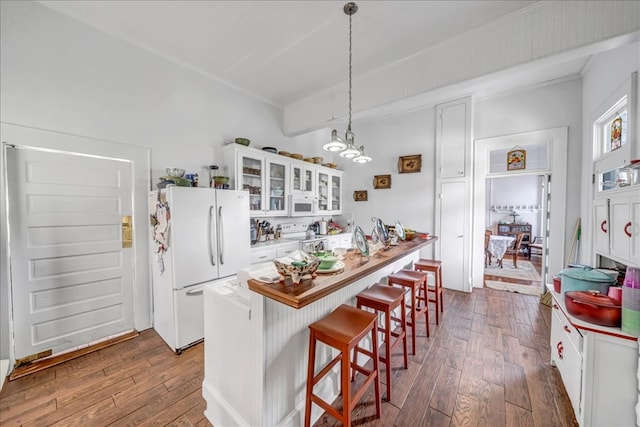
{"x": 598, "y": 366}
{"x": 610, "y": 382}
{"x": 566, "y": 355}
{"x": 285, "y": 249}
{"x": 262, "y": 254}
{"x": 339, "y": 241}
{"x": 274, "y": 250}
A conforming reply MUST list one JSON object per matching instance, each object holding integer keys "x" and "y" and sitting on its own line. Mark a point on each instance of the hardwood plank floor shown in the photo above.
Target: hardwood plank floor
{"x": 487, "y": 363}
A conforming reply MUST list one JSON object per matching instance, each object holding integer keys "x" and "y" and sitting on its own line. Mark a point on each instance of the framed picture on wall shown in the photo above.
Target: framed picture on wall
{"x": 382, "y": 181}
{"x": 410, "y": 164}
{"x": 516, "y": 159}
{"x": 360, "y": 196}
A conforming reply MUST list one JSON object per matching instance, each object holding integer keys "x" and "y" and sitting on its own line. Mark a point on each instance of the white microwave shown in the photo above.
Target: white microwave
{"x": 302, "y": 205}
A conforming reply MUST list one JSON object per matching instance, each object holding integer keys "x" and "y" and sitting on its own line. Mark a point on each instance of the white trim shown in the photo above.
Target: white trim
{"x": 556, "y": 139}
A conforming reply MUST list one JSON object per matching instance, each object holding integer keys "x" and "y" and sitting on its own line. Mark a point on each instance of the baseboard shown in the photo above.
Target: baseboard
{"x": 4, "y": 371}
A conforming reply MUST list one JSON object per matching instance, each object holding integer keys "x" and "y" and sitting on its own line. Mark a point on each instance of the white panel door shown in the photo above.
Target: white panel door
{"x": 452, "y": 239}
{"x": 71, "y": 280}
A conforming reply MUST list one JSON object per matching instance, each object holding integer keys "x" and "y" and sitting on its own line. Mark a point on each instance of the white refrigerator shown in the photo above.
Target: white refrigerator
{"x": 202, "y": 238}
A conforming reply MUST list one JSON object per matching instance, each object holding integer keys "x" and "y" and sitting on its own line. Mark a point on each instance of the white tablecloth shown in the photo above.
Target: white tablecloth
{"x": 498, "y": 245}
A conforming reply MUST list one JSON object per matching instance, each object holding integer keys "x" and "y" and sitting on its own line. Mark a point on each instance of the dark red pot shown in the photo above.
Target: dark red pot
{"x": 594, "y": 307}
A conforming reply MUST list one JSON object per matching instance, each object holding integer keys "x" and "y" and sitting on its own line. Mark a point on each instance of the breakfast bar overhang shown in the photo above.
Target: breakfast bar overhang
{"x": 256, "y": 342}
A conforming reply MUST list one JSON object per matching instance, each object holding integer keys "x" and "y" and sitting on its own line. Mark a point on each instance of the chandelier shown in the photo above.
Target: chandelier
{"x": 346, "y": 146}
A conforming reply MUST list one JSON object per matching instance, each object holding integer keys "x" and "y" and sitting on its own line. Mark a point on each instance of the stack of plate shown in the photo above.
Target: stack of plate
{"x": 631, "y": 310}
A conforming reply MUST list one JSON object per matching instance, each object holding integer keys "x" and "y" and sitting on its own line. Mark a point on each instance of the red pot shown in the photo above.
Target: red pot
{"x": 593, "y": 307}
{"x": 557, "y": 284}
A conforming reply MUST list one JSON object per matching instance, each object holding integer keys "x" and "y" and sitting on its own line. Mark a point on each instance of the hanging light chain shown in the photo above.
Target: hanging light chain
{"x": 350, "y": 49}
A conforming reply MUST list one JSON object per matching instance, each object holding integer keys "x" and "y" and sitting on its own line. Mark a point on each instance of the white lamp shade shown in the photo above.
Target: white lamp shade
{"x": 362, "y": 158}
{"x": 350, "y": 152}
{"x": 336, "y": 143}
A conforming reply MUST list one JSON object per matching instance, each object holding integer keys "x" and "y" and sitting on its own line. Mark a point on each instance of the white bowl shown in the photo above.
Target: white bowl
{"x": 175, "y": 172}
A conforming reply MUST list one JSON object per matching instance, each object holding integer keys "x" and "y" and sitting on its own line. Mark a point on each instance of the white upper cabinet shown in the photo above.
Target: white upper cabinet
{"x": 454, "y": 128}
{"x": 329, "y": 192}
{"x": 264, "y": 177}
{"x": 303, "y": 179}
{"x": 270, "y": 179}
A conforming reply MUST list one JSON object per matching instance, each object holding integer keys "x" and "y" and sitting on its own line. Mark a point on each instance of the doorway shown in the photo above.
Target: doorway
{"x": 551, "y": 162}
{"x": 516, "y": 204}
{"x": 137, "y": 161}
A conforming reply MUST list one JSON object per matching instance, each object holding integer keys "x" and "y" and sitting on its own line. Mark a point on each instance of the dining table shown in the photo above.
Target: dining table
{"x": 498, "y": 246}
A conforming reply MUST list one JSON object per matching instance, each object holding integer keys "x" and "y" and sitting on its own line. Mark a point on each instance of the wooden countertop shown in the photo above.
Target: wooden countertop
{"x": 310, "y": 290}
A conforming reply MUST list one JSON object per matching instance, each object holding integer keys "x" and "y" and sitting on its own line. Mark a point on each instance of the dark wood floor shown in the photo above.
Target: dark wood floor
{"x": 487, "y": 363}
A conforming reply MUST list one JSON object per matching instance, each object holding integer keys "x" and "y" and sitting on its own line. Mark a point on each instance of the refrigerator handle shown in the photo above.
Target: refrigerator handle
{"x": 211, "y": 232}
{"x": 220, "y": 235}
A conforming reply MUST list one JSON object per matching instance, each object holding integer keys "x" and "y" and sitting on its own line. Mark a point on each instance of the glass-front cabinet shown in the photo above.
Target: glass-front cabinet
{"x": 302, "y": 179}
{"x": 263, "y": 177}
{"x": 329, "y": 192}
{"x": 276, "y": 187}
{"x": 251, "y": 178}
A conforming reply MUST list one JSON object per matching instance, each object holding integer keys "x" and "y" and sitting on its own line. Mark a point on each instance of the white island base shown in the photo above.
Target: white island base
{"x": 256, "y": 353}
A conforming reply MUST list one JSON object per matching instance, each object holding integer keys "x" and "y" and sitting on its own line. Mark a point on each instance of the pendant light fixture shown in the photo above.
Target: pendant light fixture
{"x": 347, "y": 147}
{"x": 362, "y": 158}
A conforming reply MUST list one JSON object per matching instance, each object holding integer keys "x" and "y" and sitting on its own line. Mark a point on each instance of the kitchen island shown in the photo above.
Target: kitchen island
{"x": 256, "y": 342}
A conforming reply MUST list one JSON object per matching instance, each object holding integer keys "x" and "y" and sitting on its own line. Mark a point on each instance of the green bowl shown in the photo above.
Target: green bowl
{"x": 327, "y": 262}
{"x": 243, "y": 141}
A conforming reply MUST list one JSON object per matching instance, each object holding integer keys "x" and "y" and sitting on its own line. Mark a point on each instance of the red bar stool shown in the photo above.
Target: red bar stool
{"x": 435, "y": 267}
{"x": 385, "y": 299}
{"x": 416, "y": 281}
{"x": 343, "y": 329}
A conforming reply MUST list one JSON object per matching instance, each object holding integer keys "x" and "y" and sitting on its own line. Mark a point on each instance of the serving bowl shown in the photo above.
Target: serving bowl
{"x": 327, "y": 261}
{"x": 296, "y": 266}
{"x": 175, "y": 172}
{"x": 243, "y": 141}
{"x": 593, "y": 307}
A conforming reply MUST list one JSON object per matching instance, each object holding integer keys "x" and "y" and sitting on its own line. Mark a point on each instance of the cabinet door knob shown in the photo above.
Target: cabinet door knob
{"x": 627, "y": 229}
{"x": 602, "y": 225}
{"x": 566, "y": 328}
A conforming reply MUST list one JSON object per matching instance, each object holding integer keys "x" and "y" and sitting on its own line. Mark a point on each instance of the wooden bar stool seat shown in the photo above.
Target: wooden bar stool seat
{"x": 435, "y": 267}
{"x": 343, "y": 329}
{"x": 385, "y": 299}
{"x": 416, "y": 281}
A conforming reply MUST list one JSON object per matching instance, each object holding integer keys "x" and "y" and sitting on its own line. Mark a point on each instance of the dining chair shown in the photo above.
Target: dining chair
{"x": 513, "y": 250}
{"x": 536, "y": 245}
{"x": 487, "y": 253}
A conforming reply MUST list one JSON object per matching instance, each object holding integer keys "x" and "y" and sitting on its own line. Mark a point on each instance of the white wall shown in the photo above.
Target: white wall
{"x": 411, "y": 196}
{"x": 58, "y": 74}
{"x": 61, "y": 75}
{"x": 521, "y": 192}
{"x": 605, "y": 74}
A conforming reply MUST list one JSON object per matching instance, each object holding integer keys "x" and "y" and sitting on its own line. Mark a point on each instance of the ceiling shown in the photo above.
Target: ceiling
{"x": 284, "y": 51}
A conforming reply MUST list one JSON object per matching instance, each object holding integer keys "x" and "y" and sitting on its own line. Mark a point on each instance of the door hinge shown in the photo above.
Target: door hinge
{"x": 593, "y": 178}
{"x": 32, "y": 357}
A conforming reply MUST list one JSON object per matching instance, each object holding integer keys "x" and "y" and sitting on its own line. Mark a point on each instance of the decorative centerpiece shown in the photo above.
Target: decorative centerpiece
{"x": 297, "y": 265}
